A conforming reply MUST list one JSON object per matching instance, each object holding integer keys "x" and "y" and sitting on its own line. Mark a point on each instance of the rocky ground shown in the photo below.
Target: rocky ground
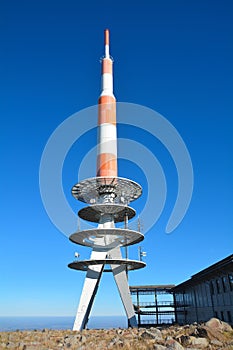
{"x": 213, "y": 334}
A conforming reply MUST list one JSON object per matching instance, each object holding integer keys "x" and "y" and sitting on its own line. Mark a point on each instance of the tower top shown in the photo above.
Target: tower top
{"x": 106, "y": 43}
{"x": 106, "y": 37}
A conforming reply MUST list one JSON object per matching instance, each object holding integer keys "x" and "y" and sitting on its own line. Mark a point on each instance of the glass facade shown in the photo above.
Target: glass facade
{"x": 207, "y": 294}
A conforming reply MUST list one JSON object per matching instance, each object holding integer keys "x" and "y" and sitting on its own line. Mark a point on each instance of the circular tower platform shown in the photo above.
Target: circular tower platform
{"x": 106, "y": 238}
{"x": 94, "y": 213}
{"x": 99, "y": 190}
{"x": 85, "y": 264}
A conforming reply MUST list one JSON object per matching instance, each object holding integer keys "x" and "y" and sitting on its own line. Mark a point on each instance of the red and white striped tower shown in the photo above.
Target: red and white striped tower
{"x": 107, "y": 142}
{"x": 107, "y": 196}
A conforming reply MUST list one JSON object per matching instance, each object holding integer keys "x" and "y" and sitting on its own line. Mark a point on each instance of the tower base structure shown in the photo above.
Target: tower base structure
{"x": 108, "y": 198}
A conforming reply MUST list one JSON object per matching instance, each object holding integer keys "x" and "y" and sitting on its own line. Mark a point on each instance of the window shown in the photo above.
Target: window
{"x": 212, "y": 287}
{"x": 224, "y": 283}
{"x": 230, "y": 278}
{"x": 229, "y": 317}
{"x": 222, "y": 316}
{"x": 218, "y": 286}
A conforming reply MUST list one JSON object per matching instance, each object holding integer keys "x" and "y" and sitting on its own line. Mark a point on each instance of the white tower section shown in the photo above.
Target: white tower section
{"x": 107, "y": 197}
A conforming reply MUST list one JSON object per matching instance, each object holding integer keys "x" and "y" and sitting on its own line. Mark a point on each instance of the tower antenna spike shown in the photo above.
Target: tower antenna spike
{"x": 106, "y": 43}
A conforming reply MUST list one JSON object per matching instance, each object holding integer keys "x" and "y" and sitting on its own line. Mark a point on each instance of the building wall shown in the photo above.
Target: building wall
{"x": 200, "y": 300}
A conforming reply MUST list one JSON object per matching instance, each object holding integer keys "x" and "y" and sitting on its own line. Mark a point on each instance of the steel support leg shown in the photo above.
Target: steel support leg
{"x": 90, "y": 288}
{"x": 119, "y": 273}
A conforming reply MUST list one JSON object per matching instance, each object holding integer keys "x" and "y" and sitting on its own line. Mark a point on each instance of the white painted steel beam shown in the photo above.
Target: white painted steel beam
{"x": 119, "y": 273}
{"x": 89, "y": 291}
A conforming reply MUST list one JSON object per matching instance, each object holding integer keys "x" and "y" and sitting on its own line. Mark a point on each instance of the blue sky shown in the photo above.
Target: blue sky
{"x": 174, "y": 57}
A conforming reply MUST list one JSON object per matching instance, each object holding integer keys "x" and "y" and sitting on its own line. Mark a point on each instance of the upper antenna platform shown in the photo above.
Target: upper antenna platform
{"x": 100, "y": 189}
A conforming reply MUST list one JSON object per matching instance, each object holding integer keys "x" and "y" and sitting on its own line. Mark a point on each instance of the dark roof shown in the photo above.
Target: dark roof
{"x": 152, "y": 287}
{"x": 222, "y": 266}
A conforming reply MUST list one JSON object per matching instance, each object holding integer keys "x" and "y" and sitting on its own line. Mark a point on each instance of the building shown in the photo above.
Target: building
{"x": 208, "y": 293}
{"x": 154, "y": 305}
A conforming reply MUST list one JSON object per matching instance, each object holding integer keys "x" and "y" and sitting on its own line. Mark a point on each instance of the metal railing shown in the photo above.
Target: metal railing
{"x": 166, "y": 321}
{"x": 153, "y": 304}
